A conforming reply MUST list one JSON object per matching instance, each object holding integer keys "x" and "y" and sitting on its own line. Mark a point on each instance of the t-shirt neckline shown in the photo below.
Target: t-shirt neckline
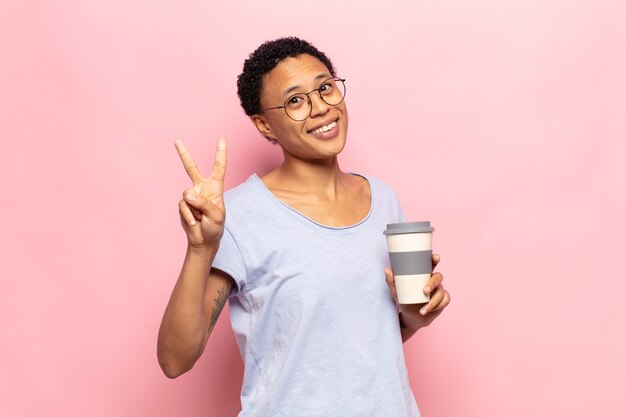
{"x": 261, "y": 185}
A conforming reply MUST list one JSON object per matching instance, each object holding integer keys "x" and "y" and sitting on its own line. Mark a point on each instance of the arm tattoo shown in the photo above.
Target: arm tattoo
{"x": 222, "y": 296}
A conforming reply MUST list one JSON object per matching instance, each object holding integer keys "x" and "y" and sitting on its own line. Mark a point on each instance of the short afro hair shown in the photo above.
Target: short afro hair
{"x": 263, "y": 60}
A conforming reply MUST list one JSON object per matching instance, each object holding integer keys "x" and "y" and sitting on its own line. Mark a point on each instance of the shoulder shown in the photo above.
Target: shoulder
{"x": 243, "y": 193}
{"x": 385, "y": 202}
{"x": 248, "y": 205}
{"x": 379, "y": 188}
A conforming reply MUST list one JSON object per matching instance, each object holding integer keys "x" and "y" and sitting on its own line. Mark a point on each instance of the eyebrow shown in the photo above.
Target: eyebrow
{"x": 298, "y": 87}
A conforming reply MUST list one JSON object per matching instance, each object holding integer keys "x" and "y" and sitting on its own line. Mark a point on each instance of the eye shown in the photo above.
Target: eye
{"x": 295, "y": 100}
{"x": 326, "y": 88}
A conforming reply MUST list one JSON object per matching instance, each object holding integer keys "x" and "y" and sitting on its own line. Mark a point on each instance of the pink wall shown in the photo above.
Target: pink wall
{"x": 509, "y": 115}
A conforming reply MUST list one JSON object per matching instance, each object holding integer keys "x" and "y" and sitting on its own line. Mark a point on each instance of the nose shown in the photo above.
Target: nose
{"x": 318, "y": 106}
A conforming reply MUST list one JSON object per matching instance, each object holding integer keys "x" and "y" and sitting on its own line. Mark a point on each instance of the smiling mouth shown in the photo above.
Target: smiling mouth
{"x": 325, "y": 128}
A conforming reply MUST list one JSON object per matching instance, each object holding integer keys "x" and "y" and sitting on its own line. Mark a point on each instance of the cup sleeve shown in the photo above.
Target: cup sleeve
{"x": 230, "y": 260}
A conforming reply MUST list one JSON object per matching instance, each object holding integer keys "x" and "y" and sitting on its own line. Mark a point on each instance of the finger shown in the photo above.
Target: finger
{"x": 186, "y": 213}
{"x": 197, "y": 213}
{"x": 434, "y": 281}
{"x": 188, "y": 162}
{"x": 444, "y": 303}
{"x": 391, "y": 284}
{"x": 435, "y": 300}
{"x": 219, "y": 167}
{"x": 443, "y": 299}
{"x": 200, "y": 206}
{"x": 195, "y": 200}
{"x": 436, "y": 259}
{"x": 389, "y": 277}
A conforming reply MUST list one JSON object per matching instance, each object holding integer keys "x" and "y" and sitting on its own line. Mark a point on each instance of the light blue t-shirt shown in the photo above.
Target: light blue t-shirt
{"x": 313, "y": 317}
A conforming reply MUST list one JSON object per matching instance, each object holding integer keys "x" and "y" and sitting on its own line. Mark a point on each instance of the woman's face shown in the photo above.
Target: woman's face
{"x": 323, "y": 133}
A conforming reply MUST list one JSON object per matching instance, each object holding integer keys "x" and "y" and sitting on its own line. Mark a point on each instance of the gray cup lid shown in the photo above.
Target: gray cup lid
{"x": 408, "y": 227}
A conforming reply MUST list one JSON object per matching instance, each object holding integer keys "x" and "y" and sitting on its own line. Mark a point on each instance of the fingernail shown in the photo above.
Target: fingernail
{"x": 192, "y": 221}
{"x": 221, "y": 144}
{"x": 427, "y": 290}
{"x": 190, "y": 197}
{"x": 423, "y": 311}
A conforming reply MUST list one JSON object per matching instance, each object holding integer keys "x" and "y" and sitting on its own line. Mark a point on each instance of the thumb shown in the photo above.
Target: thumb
{"x": 196, "y": 201}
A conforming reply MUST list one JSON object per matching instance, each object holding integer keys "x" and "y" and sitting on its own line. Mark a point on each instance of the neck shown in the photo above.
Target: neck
{"x": 317, "y": 176}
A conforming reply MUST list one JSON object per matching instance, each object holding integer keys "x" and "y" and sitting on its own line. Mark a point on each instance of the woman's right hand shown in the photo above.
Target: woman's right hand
{"x": 202, "y": 211}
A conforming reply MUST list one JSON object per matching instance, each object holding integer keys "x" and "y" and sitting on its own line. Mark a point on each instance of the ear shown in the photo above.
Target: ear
{"x": 263, "y": 127}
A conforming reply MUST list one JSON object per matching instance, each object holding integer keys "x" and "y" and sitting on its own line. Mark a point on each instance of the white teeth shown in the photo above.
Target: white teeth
{"x": 325, "y": 128}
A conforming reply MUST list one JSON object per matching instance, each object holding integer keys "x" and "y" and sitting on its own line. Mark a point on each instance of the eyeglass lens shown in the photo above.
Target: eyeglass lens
{"x": 332, "y": 91}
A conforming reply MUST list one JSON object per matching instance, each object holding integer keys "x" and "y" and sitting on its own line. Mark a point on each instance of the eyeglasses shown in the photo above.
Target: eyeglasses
{"x": 298, "y": 106}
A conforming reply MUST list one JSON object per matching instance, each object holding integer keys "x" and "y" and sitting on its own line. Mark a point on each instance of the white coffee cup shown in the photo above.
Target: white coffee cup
{"x": 410, "y": 252}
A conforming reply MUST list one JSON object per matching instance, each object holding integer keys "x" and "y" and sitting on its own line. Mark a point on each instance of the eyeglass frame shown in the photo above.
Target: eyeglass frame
{"x": 284, "y": 106}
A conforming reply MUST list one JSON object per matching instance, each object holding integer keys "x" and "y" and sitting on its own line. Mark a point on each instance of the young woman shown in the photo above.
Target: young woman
{"x": 300, "y": 257}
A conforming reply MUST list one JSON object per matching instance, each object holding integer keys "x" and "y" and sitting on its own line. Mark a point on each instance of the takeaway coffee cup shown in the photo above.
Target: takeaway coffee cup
{"x": 410, "y": 252}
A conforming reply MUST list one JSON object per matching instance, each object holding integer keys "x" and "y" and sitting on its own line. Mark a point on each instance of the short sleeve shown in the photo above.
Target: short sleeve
{"x": 229, "y": 260}
{"x": 401, "y": 214}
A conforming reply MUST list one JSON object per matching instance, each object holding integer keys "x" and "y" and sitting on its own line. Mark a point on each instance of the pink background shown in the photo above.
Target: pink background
{"x": 502, "y": 122}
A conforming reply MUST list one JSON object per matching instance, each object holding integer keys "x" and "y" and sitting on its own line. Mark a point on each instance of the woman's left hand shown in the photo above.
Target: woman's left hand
{"x": 416, "y": 316}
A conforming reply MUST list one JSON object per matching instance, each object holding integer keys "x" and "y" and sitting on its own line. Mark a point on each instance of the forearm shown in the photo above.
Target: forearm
{"x": 408, "y": 327}
{"x": 182, "y": 332}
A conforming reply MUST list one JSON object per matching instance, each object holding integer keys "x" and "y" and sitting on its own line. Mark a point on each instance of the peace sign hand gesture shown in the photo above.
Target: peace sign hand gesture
{"x": 202, "y": 211}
